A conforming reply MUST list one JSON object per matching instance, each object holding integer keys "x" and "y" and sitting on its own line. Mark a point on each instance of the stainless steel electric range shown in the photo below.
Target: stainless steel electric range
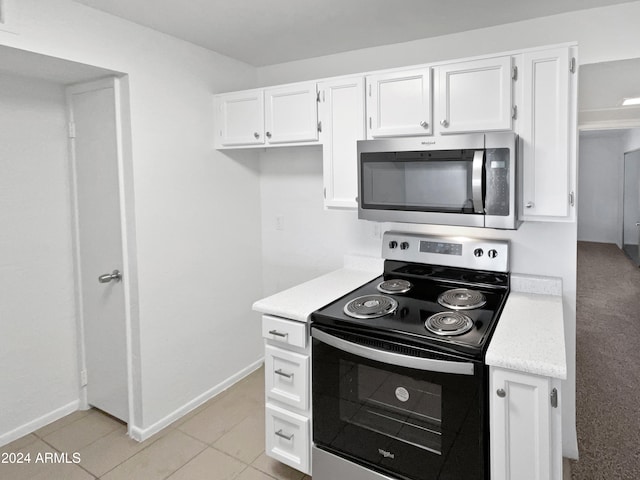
{"x": 399, "y": 383}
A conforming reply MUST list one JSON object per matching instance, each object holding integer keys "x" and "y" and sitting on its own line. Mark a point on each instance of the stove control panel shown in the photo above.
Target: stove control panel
{"x": 462, "y": 252}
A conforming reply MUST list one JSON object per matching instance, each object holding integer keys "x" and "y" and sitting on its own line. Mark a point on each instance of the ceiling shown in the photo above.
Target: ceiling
{"x": 262, "y": 32}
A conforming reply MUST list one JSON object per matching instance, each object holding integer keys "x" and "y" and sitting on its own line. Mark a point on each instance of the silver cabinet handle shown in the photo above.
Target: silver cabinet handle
{"x": 268, "y": 134}
{"x": 529, "y": 205}
{"x": 256, "y": 134}
{"x": 501, "y": 393}
{"x": 107, "y": 277}
{"x": 424, "y": 124}
{"x": 444, "y": 122}
{"x": 637, "y": 224}
{"x": 284, "y": 435}
{"x": 278, "y": 334}
{"x": 283, "y": 374}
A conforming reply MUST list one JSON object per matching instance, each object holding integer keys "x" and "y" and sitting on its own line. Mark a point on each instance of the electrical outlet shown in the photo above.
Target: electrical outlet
{"x": 280, "y": 222}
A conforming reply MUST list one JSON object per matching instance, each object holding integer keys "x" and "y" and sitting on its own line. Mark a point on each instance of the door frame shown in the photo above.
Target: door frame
{"x": 624, "y": 192}
{"x": 127, "y": 223}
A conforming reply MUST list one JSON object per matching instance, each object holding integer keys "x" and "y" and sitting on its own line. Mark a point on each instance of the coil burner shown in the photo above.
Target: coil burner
{"x": 370, "y": 306}
{"x": 462, "y": 299}
{"x": 394, "y": 286}
{"x": 448, "y": 323}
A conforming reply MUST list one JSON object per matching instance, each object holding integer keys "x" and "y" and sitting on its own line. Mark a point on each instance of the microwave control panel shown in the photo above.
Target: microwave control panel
{"x": 497, "y": 175}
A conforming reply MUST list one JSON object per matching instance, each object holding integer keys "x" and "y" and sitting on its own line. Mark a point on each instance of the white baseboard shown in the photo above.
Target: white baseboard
{"x": 141, "y": 434}
{"x": 39, "y": 422}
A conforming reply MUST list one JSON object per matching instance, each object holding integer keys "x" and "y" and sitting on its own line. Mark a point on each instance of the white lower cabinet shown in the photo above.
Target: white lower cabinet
{"x": 288, "y": 437}
{"x": 525, "y": 426}
{"x": 287, "y": 377}
{"x": 287, "y": 391}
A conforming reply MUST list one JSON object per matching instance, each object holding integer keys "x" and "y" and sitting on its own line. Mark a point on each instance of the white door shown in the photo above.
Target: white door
{"x": 343, "y": 119}
{"x": 99, "y": 244}
{"x": 547, "y": 135}
{"x": 474, "y": 96}
{"x": 520, "y": 426}
{"x": 240, "y": 118}
{"x": 399, "y": 103}
{"x": 291, "y": 113}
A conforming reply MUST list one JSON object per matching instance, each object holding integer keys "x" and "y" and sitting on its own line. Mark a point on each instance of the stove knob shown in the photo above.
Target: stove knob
{"x": 393, "y": 244}
{"x": 404, "y": 245}
{"x": 492, "y": 253}
{"x": 478, "y": 252}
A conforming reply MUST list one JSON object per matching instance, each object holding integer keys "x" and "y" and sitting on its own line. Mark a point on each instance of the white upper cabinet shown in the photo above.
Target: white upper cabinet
{"x": 342, "y": 114}
{"x": 291, "y": 113}
{"x": 399, "y": 103}
{"x": 547, "y": 135}
{"x": 240, "y": 118}
{"x": 281, "y": 115}
{"x": 474, "y": 96}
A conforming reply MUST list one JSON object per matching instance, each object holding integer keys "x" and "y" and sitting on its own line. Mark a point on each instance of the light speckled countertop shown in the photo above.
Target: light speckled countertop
{"x": 299, "y": 302}
{"x": 530, "y": 334}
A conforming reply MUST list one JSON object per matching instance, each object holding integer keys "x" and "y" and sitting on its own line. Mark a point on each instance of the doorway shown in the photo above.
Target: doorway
{"x": 631, "y": 206}
{"x": 102, "y": 273}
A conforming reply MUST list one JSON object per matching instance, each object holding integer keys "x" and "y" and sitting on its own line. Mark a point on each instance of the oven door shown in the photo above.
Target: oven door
{"x": 397, "y": 409}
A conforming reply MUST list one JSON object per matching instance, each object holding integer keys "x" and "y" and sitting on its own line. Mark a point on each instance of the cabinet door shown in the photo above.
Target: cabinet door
{"x": 520, "y": 426}
{"x": 343, "y": 124}
{"x": 475, "y": 96}
{"x": 240, "y": 118}
{"x": 291, "y": 113}
{"x": 399, "y": 103}
{"x": 547, "y": 137}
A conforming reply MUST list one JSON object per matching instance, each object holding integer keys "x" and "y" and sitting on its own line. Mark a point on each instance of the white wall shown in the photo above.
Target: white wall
{"x": 197, "y": 211}
{"x": 603, "y": 34}
{"x": 600, "y": 170}
{"x": 38, "y": 372}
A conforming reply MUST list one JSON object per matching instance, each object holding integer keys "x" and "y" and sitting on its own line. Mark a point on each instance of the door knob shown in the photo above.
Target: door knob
{"x": 637, "y": 224}
{"x": 108, "y": 277}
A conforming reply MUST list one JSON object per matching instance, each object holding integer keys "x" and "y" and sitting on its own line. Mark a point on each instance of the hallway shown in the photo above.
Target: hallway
{"x": 608, "y": 356}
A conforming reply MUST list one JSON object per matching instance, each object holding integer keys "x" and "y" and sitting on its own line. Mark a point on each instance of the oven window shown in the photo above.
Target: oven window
{"x": 418, "y": 181}
{"x": 394, "y": 405}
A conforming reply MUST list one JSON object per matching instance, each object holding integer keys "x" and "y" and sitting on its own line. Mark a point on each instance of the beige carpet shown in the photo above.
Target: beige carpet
{"x": 607, "y": 364}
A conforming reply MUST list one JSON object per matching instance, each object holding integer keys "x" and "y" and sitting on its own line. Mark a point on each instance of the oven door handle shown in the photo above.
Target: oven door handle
{"x": 419, "y": 363}
{"x": 476, "y": 181}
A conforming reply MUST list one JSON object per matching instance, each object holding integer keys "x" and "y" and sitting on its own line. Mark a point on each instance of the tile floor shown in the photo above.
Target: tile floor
{"x": 220, "y": 440}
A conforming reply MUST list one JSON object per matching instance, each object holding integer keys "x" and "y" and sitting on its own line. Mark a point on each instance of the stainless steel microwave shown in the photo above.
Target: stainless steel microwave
{"x": 467, "y": 180}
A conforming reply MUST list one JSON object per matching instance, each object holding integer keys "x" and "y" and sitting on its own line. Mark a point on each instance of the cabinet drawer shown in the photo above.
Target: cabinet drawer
{"x": 284, "y": 331}
{"x": 287, "y": 377}
{"x": 288, "y": 438}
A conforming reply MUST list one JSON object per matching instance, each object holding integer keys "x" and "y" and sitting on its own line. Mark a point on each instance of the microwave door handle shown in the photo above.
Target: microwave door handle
{"x": 419, "y": 363}
{"x": 476, "y": 181}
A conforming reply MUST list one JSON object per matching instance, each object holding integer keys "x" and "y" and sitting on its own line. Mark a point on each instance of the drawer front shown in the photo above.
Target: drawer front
{"x": 287, "y": 377}
{"x": 288, "y": 438}
{"x": 287, "y": 332}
